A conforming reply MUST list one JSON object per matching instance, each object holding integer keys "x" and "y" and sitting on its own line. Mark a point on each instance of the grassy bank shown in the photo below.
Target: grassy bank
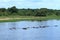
{"x": 33, "y": 18}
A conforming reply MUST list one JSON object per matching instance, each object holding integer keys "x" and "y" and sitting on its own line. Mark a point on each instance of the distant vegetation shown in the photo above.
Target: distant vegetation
{"x": 28, "y": 12}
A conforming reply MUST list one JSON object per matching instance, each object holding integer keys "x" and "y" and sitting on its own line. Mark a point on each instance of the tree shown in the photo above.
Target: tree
{"x": 13, "y": 10}
{"x": 2, "y": 9}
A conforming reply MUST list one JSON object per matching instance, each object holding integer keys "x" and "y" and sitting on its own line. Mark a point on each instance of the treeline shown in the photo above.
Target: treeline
{"x": 28, "y": 12}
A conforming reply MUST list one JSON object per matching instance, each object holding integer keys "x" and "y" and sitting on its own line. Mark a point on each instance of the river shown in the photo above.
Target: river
{"x": 30, "y": 30}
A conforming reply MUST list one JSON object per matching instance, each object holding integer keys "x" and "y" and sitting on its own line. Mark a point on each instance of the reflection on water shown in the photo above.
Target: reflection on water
{"x": 30, "y": 30}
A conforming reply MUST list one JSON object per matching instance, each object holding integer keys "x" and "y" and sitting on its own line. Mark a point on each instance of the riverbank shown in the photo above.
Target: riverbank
{"x": 22, "y": 18}
{"x": 18, "y": 18}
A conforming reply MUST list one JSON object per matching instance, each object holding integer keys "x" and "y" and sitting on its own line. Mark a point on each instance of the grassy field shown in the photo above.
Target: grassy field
{"x": 21, "y": 18}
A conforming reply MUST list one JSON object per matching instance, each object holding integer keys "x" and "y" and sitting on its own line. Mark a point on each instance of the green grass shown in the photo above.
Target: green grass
{"x": 29, "y": 18}
{"x": 50, "y": 17}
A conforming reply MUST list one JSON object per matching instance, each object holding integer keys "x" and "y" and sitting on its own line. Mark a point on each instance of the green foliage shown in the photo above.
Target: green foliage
{"x": 13, "y": 9}
{"x": 28, "y": 12}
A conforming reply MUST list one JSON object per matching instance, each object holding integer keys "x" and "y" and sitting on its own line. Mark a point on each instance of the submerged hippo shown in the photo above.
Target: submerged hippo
{"x": 12, "y": 28}
{"x": 43, "y": 26}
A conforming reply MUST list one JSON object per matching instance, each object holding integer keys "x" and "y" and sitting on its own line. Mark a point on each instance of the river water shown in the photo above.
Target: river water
{"x": 30, "y": 30}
